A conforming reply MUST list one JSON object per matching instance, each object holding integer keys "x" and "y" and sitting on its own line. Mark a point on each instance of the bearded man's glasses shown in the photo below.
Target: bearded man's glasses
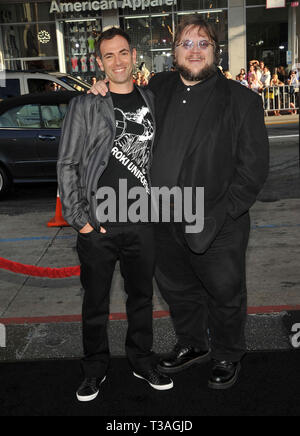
{"x": 188, "y": 44}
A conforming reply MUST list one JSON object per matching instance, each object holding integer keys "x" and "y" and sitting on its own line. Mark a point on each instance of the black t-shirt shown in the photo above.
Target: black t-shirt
{"x": 131, "y": 150}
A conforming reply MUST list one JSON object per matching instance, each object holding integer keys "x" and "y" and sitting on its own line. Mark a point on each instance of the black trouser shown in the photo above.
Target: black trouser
{"x": 133, "y": 245}
{"x": 206, "y": 291}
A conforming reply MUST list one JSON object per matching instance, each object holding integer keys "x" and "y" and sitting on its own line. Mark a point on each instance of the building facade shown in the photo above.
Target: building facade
{"x": 61, "y": 35}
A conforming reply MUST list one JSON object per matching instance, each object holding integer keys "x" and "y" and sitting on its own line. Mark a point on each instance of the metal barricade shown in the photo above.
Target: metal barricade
{"x": 280, "y": 99}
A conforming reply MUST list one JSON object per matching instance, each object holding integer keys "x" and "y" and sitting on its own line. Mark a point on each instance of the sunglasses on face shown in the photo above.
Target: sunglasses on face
{"x": 188, "y": 44}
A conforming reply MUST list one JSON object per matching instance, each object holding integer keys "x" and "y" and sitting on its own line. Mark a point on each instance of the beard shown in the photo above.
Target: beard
{"x": 206, "y": 72}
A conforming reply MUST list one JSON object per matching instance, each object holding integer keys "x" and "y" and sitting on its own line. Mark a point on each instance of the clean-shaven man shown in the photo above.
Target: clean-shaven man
{"x": 106, "y": 144}
{"x": 211, "y": 134}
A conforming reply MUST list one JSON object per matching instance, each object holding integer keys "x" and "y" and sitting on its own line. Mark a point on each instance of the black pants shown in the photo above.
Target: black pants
{"x": 206, "y": 292}
{"x": 133, "y": 245}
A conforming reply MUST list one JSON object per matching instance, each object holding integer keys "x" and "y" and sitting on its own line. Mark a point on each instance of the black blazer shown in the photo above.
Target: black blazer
{"x": 230, "y": 159}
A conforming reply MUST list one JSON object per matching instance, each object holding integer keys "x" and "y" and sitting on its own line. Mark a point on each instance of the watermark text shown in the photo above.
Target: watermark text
{"x": 295, "y": 337}
{"x": 2, "y": 336}
{"x": 178, "y": 205}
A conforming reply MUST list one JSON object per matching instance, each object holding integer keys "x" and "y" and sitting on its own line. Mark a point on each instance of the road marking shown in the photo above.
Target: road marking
{"x": 47, "y": 238}
{"x": 35, "y": 238}
{"x": 273, "y": 226}
{"x": 284, "y": 136}
{"x": 280, "y": 123}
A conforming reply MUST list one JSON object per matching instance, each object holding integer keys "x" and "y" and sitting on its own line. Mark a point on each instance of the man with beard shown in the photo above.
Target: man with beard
{"x": 205, "y": 138}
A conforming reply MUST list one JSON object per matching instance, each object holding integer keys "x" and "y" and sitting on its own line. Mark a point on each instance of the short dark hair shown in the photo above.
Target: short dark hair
{"x": 196, "y": 20}
{"x": 110, "y": 34}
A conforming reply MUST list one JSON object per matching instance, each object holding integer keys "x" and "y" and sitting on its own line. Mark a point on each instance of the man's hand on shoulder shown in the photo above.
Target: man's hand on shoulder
{"x": 99, "y": 88}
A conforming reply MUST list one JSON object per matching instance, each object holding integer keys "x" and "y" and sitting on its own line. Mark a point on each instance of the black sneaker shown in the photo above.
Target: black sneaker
{"x": 89, "y": 389}
{"x": 155, "y": 379}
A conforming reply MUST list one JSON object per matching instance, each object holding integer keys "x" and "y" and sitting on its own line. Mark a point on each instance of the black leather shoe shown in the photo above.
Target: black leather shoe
{"x": 224, "y": 374}
{"x": 89, "y": 389}
{"x": 156, "y": 380}
{"x": 181, "y": 358}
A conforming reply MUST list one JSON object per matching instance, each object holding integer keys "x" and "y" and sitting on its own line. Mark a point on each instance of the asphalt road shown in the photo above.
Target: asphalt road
{"x": 284, "y": 176}
{"x": 283, "y": 181}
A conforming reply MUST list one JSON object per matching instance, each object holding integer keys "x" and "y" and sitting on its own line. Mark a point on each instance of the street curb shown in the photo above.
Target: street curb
{"x": 157, "y": 314}
{"x": 61, "y": 340}
{"x": 283, "y": 119}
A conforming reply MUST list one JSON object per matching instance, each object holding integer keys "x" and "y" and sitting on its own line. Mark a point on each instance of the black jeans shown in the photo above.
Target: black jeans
{"x": 206, "y": 291}
{"x": 133, "y": 246}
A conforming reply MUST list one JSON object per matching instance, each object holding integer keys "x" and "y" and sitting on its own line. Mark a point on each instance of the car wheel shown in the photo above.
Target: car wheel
{"x": 5, "y": 183}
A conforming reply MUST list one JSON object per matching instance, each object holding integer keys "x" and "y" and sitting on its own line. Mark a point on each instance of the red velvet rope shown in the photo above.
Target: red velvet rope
{"x": 37, "y": 271}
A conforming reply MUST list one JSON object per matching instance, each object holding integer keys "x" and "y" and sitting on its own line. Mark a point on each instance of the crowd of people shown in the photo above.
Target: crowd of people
{"x": 260, "y": 80}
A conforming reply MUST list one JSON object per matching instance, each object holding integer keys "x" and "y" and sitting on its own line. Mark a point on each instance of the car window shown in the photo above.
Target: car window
{"x": 76, "y": 84}
{"x": 26, "y": 117}
{"x": 12, "y": 89}
{"x": 42, "y": 85}
{"x": 53, "y": 115}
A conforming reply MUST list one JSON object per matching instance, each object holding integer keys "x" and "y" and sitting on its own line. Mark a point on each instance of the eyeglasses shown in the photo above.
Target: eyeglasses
{"x": 188, "y": 44}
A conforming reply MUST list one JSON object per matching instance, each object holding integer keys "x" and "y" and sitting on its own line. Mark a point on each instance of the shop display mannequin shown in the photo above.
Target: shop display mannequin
{"x": 92, "y": 63}
{"x": 159, "y": 62}
{"x": 74, "y": 62}
{"x": 29, "y": 43}
{"x": 83, "y": 46}
{"x": 83, "y": 60}
{"x": 91, "y": 43}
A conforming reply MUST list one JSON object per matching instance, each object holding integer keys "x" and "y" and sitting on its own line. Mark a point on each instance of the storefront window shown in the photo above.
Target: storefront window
{"x": 267, "y": 36}
{"x": 35, "y": 40}
{"x": 153, "y": 35}
{"x": 80, "y": 46}
{"x": 28, "y": 41}
{"x": 198, "y": 5}
{"x": 23, "y": 12}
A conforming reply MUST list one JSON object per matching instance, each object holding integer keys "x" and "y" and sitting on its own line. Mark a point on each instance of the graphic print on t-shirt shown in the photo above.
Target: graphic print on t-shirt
{"x": 130, "y": 154}
{"x": 134, "y": 131}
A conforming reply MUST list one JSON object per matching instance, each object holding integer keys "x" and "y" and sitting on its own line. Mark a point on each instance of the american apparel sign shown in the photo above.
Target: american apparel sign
{"x": 98, "y": 5}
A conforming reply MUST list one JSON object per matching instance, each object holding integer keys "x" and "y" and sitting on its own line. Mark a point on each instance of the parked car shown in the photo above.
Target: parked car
{"x": 25, "y": 82}
{"x": 30, "y": 128}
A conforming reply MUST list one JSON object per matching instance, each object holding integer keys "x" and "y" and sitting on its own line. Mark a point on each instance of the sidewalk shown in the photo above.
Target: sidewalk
{"x": 42, "y": 316}
{"x": 281, "y": 119}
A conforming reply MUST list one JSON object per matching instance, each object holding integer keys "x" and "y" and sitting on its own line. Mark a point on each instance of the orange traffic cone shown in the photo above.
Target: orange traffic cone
{"x": 58, "y": 220}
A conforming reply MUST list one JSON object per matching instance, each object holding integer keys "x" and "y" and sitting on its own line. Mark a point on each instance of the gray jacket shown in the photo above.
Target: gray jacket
{"x": 87, "y": 138}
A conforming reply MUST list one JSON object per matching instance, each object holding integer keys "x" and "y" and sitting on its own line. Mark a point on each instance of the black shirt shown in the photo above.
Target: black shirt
{"x": 177, "y": 131}
{"x": 132, "y": 146}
